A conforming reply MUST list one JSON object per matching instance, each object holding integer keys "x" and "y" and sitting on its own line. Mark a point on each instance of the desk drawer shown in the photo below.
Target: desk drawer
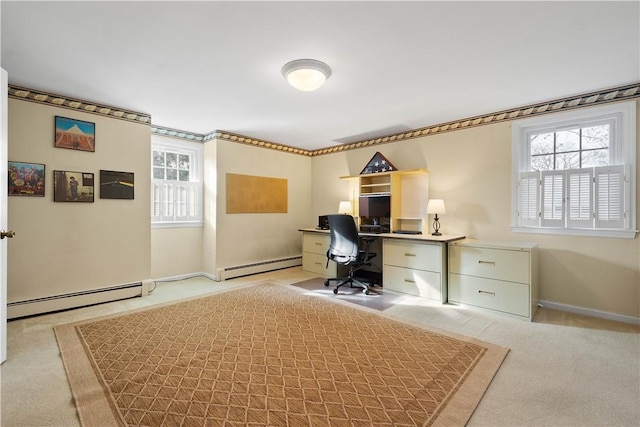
{"x": 508, "y": 297}
{"x": 316, "y": 243}
{"x": 422, "y": 256}
{"x": 501, "y": 264}
{"x": 315, "y": 263}
{"x": 414, "y": 282}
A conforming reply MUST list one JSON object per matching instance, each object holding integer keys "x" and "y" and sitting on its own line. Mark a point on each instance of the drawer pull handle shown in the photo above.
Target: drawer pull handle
{"x": 487, "y": 262}
{"x": 409, "y": 281}
{"x": 318, "y": 263}
{"x": 318, "y": 244}
{"x": 406, "y": 254}
{"x": 493, "y": 294}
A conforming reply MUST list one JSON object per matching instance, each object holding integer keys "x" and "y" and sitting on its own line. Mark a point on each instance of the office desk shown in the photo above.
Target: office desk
{"x": 414, "y": 264}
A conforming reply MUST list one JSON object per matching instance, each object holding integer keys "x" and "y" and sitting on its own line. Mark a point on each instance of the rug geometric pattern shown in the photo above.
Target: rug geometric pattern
{"x": 271, "y": 355}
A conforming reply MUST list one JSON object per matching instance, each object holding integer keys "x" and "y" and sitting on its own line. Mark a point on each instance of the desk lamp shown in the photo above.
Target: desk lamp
{"x": 436, "y": 206}
{"x": 345, "y": 208}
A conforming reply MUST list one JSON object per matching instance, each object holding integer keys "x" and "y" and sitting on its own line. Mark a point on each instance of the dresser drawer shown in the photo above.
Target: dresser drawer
{"x": 501, "y": 264}
{"x": 316, "y": 243}
{"x": 508, "y": 297}
{"x": 414, "y": 282}
{"x": 315, "y": 263}
{"x": 422, "y": 256}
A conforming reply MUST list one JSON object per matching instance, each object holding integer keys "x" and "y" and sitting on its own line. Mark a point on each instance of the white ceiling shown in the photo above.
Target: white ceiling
{"x": 207, "y": 65}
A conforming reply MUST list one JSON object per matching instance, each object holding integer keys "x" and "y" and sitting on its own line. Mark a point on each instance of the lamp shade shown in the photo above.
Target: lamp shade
{"x": 436, "y": 206}
{"x": 345, "y": 208}
{"x": 306, "y": 74}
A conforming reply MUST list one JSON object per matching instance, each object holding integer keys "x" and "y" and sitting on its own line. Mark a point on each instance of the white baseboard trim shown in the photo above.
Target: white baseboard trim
{"x": 590, "y": 312}
{"x": 231, "y": 272}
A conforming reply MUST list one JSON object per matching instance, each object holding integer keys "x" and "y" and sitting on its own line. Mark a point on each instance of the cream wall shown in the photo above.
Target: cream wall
{"x": 64, "y": 247}
{"x": 471, "y": 170}
{"x": 176, "y": 252}
{"x": 250, "y": 238}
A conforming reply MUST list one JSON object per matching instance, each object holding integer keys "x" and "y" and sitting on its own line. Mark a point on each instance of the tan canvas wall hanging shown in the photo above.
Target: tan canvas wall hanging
{"x": 256, "y": 194}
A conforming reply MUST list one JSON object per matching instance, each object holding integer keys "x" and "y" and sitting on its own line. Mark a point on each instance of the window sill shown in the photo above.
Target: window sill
{"x": 620, "y": 234}
{"x": 183, "y": 224}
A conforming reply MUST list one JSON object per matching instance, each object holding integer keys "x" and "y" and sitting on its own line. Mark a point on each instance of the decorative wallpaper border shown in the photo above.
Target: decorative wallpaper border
{"x": 616, "y": 94}
{"x": 228, "y": 136}
{"x": 42, "y": 97}
{"x": 175, "y": 133}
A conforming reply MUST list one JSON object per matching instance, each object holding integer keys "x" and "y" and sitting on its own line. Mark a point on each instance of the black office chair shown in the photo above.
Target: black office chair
{"x": 345, "y": 250}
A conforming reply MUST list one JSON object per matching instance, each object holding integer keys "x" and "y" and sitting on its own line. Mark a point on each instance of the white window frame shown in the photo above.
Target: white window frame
{"x": 192, "y": 190}
{"x": 527, "y": 200}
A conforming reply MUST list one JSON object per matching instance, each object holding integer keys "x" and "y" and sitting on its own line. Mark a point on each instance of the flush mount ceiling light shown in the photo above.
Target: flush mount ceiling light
{"x": 306, "y": 74}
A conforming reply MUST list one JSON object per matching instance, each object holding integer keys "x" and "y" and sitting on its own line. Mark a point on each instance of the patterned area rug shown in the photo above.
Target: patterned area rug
{"x": 269, "y": 355}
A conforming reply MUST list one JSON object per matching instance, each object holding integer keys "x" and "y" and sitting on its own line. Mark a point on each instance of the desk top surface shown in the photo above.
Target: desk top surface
{"x": 419, "y": 237}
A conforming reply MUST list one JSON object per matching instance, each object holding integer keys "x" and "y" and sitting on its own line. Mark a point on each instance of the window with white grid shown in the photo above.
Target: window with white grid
{"x": 574, "y": 173}
{"x": 176, "y": 183}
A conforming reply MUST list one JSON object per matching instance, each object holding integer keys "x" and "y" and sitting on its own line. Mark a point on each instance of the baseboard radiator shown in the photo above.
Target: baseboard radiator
{"x": 257, "y": 267}
{"x": 73, "y": 300}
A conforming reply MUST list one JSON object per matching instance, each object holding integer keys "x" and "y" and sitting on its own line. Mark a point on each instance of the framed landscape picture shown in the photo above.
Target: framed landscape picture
{"x": 116, "y": 185}
{"x": 71, "y": 186}
{"x": 26, "y": 179}
{"x": 75, "y": 134}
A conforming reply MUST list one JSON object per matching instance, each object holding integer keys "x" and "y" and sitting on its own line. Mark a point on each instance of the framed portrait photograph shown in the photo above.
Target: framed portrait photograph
{"x": 116, "y": 185}
{"x": 26, "y": 179}
{"x": 71, "y": 186}
{"x": 75, "y": 134}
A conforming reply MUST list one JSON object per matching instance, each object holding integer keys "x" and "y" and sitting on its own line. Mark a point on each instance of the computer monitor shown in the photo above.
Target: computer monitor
{"x": 378, "y": 206}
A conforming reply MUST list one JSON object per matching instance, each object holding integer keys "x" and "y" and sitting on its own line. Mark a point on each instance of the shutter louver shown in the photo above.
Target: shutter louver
{"x": 553, "y": 198}
{"x": 609, "y": 197}
{"x": 580, "y": 198}
{"x": 528, "y": 198}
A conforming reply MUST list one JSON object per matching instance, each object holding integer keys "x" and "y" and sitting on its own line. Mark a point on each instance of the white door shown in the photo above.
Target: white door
{"x": 3, "y": 214}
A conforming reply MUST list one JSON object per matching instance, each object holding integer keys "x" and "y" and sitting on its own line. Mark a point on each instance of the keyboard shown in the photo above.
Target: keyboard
{"x": 407, "y": 232}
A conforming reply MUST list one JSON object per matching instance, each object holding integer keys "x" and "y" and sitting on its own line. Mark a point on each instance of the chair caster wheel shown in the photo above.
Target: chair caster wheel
{"x": 326, "y": 283}
{"x": 366, "y": 291}
{"x": 335, "y": 291}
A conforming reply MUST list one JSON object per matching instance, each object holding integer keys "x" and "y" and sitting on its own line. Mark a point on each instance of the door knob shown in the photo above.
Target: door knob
{"x": 7, "y": 234}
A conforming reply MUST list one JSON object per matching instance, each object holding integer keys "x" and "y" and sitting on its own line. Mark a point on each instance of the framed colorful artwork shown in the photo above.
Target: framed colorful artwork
{"x": 71, "y": 186}
{"x": 26, "y": 179}
{"x": 75, "y": 134}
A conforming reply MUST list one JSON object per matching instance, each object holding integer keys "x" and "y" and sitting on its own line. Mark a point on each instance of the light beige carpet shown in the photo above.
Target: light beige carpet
{"x": 270, "y": 355}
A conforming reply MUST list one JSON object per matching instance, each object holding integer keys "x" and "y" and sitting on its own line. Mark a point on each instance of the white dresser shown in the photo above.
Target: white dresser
{"x": 314, "y": 254}
{"x": 502, "y": 277}
{"x": 415, "y": 267}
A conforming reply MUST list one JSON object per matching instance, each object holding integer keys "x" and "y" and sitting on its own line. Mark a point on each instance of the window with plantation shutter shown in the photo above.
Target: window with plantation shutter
{"x": 575, "y": 172}
{"x": 176, "y": 183}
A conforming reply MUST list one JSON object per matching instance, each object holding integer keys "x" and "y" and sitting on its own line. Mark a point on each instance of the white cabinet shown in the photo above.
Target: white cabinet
{"x": 415, "y": 268}
{"x": 314, "y": 254}
{"x": 497, "y": 276}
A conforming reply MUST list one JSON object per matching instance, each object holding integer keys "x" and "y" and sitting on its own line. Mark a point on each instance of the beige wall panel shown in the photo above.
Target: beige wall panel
{"x": 255, "y": 237}
{"x": 176, "y": 251}
{"x": 471, "y": 170}
{"x": 69, "y": 247}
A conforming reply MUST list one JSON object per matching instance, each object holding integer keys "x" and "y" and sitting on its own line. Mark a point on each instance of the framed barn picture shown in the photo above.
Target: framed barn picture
{"x": 75, "y": 134}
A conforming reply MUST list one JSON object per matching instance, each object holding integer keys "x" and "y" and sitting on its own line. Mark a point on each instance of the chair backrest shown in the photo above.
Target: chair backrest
{"x": 345, "y": 243}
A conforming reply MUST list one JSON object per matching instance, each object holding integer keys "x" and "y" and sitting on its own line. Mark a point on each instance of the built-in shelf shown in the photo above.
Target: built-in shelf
{"x": 409, "y": 191}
